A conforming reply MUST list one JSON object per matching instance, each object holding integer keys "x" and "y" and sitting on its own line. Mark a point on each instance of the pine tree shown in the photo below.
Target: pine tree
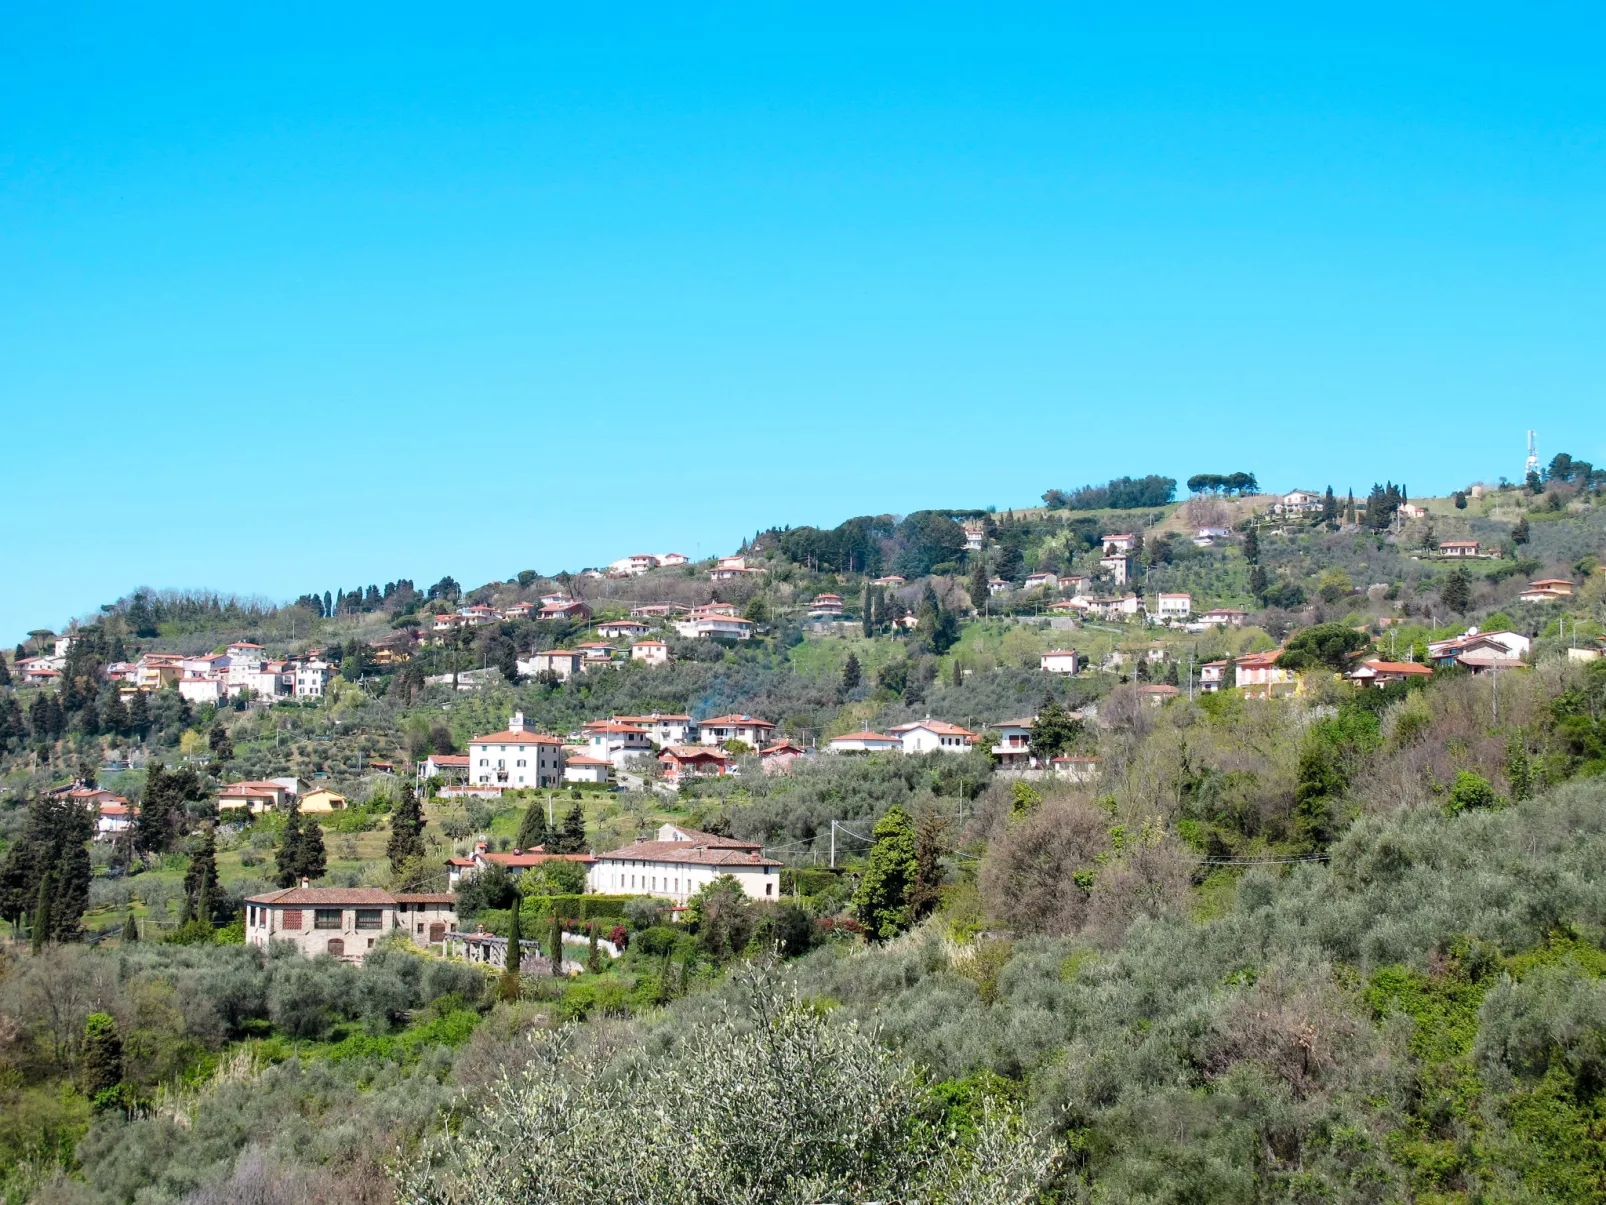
{"x": 114, "y": 714}
{"x": 1258, "y": 581}
{"x": 41, "y": 917}
{"x": 219, "y": 741}
{"x": 532, "y": 829}
{"x": 1054, "y": 731}
{"x": 312, "y": 861}
{"x": 881, "y": 901}
{"x": 103, "y": 1060}
{"x": 852, "y": 675}
{"x": 289, "y": 856}
{"x": 508, "y": 988}
{"x": 1329, "y": 506}
{"x": 1519, "y": 531}
{"x": 406, "y": 830}
{"x": 556, "y": 943}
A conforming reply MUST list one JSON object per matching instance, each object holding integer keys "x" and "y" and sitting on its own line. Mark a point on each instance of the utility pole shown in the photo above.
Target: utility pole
{"x": 833, "y": 845}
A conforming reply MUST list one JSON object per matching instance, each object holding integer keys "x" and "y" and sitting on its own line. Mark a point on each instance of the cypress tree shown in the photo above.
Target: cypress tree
{"x": 406, "y": 830}
{"x": 289, "y": 855}
{"x": 139, "y": 715}
{"x": 5, "y": 674}
{"x": 532, "y": 829}
{"x": 978, "y": 584}
{"x": 868, "y": 617}
{"x": 594, "y": 955}
{"x": 200, "y": 880}
{"x": 1252, "y": 545}
{"x": 557, "y": 945}
{"x": 41, "y": 913}
{"x": 852, "y": 674}
{"x": 508, "y": 988}
{"x": 103, "y": 1060}
{"x": 312, "y": 860}
{"x": 130, "y": 927}
{"x": 571, "y": 838}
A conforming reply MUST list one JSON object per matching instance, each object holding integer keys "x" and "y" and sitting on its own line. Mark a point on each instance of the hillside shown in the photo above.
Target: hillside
{"x": 1240, "y": 918}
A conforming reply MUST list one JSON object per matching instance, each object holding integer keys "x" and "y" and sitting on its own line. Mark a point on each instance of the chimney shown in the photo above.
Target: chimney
{"x": 516, "y": 724}
{"x": 305, "y": 883}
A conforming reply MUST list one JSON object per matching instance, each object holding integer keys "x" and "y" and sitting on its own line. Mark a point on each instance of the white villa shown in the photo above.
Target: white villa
{"x": 681, "y": 862}
{"x": 927, "y": 736}
{"x": 865, "y": 742}
{"x": 1061, "y": 661}
{"x": 515, "y": 758}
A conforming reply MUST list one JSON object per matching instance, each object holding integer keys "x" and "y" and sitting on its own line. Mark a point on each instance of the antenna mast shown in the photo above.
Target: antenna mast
{"x": 1533, "y": 456}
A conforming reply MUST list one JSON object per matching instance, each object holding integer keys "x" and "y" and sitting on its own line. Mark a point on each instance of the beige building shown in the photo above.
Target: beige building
{"x": 681, "y": 862}
{"x": 346, "y": 922}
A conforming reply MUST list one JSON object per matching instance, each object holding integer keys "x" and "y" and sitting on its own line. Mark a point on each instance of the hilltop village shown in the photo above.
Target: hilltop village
{"x": 598, "y": 794}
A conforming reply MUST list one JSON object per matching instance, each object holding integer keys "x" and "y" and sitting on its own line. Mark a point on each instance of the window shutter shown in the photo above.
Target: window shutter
{"x": 292, "y": 918}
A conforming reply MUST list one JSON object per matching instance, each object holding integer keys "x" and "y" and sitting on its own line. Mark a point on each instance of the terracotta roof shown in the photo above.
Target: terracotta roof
{"x": 940, "y": 727}
{"x": 425, "y": 897}
{"x": 693, "y": 752}
{"x": 448, "y": 759}
{"x": 516, "y": 738}
{"x": 526, "y": 860}
{"x": 325, "y": 897}
{"x": 650, "y": 719}
{"x": 1397, "y": 667}
{"x": 688, "y": 852}
{"x": 1083, "y": 759}
{"x": 1158, "y": 688}
{"x": 1062, "y": 653}
{"x": 580, "y": 759}
{"x": 866, "y": 736}
{"x": 648, "y": 643}
{"x": 782, "y": 747}
{"x": 738, "y": 721}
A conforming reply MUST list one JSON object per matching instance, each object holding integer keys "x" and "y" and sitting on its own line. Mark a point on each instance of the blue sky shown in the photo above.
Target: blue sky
{"x": 296, "y": 298}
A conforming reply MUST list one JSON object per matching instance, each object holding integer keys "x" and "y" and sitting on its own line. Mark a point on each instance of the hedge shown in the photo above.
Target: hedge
{"x": 808, "y": 881}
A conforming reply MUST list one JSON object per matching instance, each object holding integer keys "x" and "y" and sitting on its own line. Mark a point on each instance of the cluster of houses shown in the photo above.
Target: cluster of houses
{"x": 241, "y": 669}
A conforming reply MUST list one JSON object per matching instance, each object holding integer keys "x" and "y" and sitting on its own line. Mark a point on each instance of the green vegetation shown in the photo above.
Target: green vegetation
{"x": 1344, "y": 945}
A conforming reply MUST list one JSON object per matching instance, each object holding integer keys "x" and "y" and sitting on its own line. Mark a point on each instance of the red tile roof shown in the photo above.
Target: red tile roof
{"x": 516, "y": 738}
{"x": 694, "y": 853}
{"x": 867, "y": 736}
{"x": 1397, "y": 667}
{"x": 325, "y": 897}
{"x": 737, "y": 721}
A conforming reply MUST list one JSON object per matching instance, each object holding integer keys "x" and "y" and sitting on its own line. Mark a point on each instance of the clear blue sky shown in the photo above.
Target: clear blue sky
{"x": 323, "y": 295}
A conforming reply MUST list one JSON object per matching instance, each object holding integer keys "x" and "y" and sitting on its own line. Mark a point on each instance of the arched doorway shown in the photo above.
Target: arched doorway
{"x": 337, "y": 947}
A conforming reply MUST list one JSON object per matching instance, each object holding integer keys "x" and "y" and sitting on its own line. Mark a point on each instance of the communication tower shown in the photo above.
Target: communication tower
{"x": 1533, "y": 456}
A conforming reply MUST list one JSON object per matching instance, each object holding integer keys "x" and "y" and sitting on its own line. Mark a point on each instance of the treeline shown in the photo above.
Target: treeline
{"x": 1122, "y": 493}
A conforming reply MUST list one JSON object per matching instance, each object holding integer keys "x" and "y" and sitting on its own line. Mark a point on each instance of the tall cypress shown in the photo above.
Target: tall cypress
{"x": 289, "y": 855}
{"x": 571, "y": 838}
{"x": 200, "y": 879}
{"x": 5, "y": 673}
{"x": 557, "y": 945}
{"x": 532, "y": 829}
{"x": 130, "y": 927}
{"x": 103, "y": 1059}
{"x": 41, "y": 913}
{"x": 508, "y": 988}
{"x": 312, "y": 860}
{"x": 406, "y": 830}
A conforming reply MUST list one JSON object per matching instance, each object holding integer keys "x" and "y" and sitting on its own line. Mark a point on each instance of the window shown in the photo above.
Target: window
{"x": 326, "y": 918}
{"x": 370, "y": 918}
{"x": 292, "y": 919}
{"x": 519, "y": 763}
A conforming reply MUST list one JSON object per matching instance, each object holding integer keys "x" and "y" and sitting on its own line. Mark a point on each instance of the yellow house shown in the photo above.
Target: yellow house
{"x": 322, "y": 800}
